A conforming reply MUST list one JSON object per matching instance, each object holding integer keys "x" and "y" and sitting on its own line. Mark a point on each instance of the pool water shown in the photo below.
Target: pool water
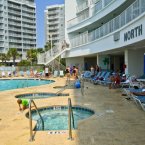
{"x": 40, "y": 95}
{"x": 56, "y": 118}
{"x": 22, "y": 83}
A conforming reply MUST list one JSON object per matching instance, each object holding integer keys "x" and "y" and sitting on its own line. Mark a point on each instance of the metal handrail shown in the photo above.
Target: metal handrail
{"x": 61, "y": 90}
{"x": 30, "y": 119}
{"x": 70, "y": 119}
{"x": 82, "y": 87}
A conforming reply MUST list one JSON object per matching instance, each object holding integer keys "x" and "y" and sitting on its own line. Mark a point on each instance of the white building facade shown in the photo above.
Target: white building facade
{"x": 17, "y": 25}
{"x": 54, "y": 24}
{"x": 106, "y": 29}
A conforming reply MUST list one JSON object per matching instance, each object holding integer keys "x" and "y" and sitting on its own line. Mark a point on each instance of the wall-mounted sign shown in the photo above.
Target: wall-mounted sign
{"x": 133, "y": 33}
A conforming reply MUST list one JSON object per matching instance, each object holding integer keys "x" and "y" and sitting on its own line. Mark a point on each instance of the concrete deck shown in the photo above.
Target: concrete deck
{"x": 117, "y": 121}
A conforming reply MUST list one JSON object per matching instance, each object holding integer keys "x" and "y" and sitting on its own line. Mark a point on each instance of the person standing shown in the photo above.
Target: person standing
{"x": 92, "y": 71}
{"x": 97, "y": 68}
{"x": 67, "y": 71}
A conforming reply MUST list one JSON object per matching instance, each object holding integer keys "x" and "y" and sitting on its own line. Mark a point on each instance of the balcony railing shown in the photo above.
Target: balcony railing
{"x": 54, "y": 22}
{"x": 13, "y": 23}
{"x": 107, "y": 2}
{"x": 15, "y": 18}
{"x": 83, "y": 38}
{"x": 54, "y": 12}
{"x": 133, "y": 11}
{"x": 28, "y": 20}
{"x": 94, "y": 1}
{"x": 52, "y": 28}
{"x": 98, "y": 6}
{"x": 30, "y": 37}
{"x": 78, "y": 19}
{"x": 50, "y": 55}
{"x": 15, "y": 41}
{"x": 14, "y": 12}
{"x": 82, "y": 7}
{"x": 15, "y": 35}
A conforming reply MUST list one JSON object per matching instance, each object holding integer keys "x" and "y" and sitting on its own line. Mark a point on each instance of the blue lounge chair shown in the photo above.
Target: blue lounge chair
{"x": 100, "y": 77}
{"x": 86, "y": 75}
{"x": 105, "y": 79}
{"x": 21, "y": 73}
{"x": 28, "y": 73}
{"x": 128, "y": 92}
{"x": 96, "y": 77}
{"x": 140, "y": 102}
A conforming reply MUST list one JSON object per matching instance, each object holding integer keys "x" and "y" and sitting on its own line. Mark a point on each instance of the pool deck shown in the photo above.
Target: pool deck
{"x": 117, "y": 121}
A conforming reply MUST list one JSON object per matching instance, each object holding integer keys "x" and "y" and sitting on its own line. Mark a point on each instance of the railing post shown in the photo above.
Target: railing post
{"x": 30, "y": 119}
{"x": 30, "y": 122}
{"x": 82, "y": 87}
{"x": 69, "y": 120}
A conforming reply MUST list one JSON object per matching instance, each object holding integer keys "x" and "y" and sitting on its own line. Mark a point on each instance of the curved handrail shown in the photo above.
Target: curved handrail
{"x": 30, "y": 119}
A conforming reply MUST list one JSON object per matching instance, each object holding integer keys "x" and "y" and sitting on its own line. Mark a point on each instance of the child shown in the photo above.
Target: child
{"x": 24, "y": 103}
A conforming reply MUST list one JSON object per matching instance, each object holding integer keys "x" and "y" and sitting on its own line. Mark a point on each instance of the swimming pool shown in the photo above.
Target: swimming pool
{"x": 21, "y": 83}
{"x": 40, "y": 95}
{"x": 56, "y": 117}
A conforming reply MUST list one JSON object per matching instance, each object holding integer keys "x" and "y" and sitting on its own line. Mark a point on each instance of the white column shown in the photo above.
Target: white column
{"x": 98, "y": 59}
{"x": 126, "y": 61}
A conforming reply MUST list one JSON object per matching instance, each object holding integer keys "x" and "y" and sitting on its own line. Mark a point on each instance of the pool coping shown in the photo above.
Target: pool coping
{"x": 57, "y": 95}
{"x": 81, "y": 106}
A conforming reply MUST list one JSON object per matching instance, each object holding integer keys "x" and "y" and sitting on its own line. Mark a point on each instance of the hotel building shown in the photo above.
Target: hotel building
{"x": 100, "y": 30}
{"x": 54, "y": 24}
{"x": 17, "y": 25}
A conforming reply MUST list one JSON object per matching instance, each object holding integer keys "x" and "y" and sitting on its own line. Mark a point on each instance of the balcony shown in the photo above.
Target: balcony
{"x": 14, "y": 12}
{"x": 1, "y": 38}
{"x": 28, "y": 20}
{"x": 15, "y": 35}
{"x": 28, "y": 26}
{"x": 1, "y": 44}
{"x": 15, "y": 41}
{"x": 14, "y": 29}
{"x": 14, "y": 46}
{"x": 29, "y": 42}
{"x": 15, "y": 18}
{"x": 133, "y": 11}
{"x": 1, "y": 15}
{"x": 53, "y": 22}
{"x": 53, "y": 12}
{"x": 29, "y": 36}
{"x": 15, "y": 24}
{"x": 53, "y": 17}
{"x": 29, "y": 31}
{"x": 1, "y": 21}
{"x": 82, "y": 7}
{"x": 29, "y": 15}
{"x": 97, "y": 7}
{"x": 79, "y": 39}
{"x": 83, "y": 16}
{"x": 53, "y": 28}
{"x": 107, "y": 2}
{"x": 14, "y": 6}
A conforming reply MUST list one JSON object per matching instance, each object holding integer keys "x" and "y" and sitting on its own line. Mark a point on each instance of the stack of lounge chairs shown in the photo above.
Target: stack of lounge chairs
{"x": 135, "y": 86}
{"x": 101, "y": 77}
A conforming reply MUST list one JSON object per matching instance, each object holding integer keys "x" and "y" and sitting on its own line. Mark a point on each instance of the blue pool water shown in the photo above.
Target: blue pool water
{"x": 39, "y": 95}
{"x": 56, "y": 118}
{"x": 22, "y": 83}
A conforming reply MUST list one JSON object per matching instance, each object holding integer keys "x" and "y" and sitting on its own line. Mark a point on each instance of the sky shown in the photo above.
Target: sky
{"x": 40, "y": 7}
